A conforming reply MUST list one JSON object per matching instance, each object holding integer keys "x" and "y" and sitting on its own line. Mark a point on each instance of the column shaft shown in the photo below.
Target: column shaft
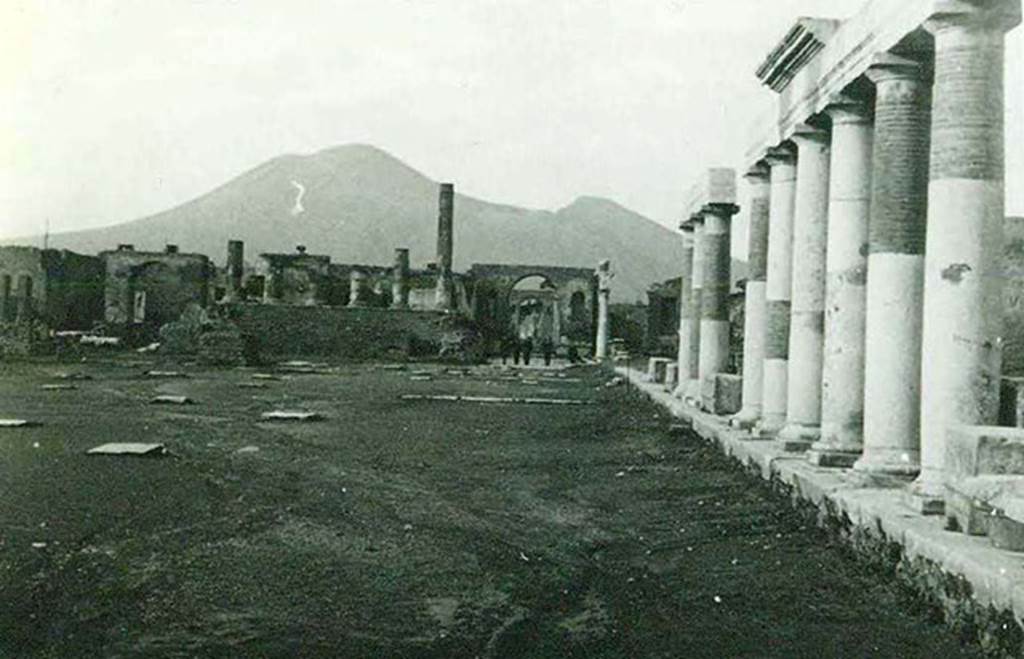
{"x": 400, "y": 279}
{"x": 842, "y": 377}
{"x": 963, "y": 286}
{"x": 899, "y": 205}
{"x": 687, "y": 316}
{"x": 754, "y": 304}
{"x": 604, "y": 277}
{"x": 714, "y": 306}
{"x": 693, "y": 388}
{"x": 778, "y": 289}
{"x": 807, "y": 316}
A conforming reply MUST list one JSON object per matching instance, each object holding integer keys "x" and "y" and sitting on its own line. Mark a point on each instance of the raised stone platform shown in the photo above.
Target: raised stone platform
{"x": 872, "y": 502}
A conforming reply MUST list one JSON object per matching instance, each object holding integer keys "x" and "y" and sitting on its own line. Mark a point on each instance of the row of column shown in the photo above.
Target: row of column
{"x": 866, "y": 336}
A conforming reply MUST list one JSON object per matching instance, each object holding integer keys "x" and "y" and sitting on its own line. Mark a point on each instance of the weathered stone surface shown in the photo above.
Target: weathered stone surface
{"x": 656, "y": 368}
{"x": 1011, "y": 402}
{"x": 722, "y": 393}
{"x": 671, "y": 375}
{"x": 982, "y": 450}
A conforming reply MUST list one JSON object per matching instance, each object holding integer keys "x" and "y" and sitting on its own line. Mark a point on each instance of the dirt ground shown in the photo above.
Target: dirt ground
{"x": 398, "y": 528}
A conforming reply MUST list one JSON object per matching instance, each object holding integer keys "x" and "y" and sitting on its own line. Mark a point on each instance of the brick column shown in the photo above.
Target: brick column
{"x": 400, "y": 279}
{"x": 778, "y": 288}
{"x": 693, "y": 388}
{"x": 807, "y": 315}
{"x": 842, "y": 371}
{"x": 688, "y": 317}
{"x": 899, "y": 205}
{"x": 754, "y": 305}
{"x": 962, "y": 333}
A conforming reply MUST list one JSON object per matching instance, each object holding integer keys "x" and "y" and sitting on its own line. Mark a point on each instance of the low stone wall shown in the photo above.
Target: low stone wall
{"x": 977, "y": 588}
{"x": 280, "y": 331}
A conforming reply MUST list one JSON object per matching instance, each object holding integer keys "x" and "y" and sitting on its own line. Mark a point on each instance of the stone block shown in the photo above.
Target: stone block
{"x": 1011, "y": 402}
{"x": 1006, "y": 533}
{"x": 980, "y": 450}
{"x": 656, "y": 368}
{"x": 671, "y": 376}
{"x": 722, "y": 393}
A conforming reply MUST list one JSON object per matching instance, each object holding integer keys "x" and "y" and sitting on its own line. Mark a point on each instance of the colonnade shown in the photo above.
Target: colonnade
{"x": 866, "y": 336}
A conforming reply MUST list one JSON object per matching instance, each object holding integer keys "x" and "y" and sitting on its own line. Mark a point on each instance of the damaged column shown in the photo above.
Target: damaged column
{"x": 235, "y": 270}
{"x": 400, "y": 279}
{"x": 444, "y": 295}
{"x": 715, "y": 201}
{"x": 604, "y": 289}
{"x": 693, "y": 388}
{"x": 896, "y": 241}
{"x": 778, "y": 288}
{"x": 962, "y": 331}
{"x": 754, "y": 310}
{"x": 807, "y": 313}
{"x": 842, "y": 378}
{"x": 689, "y": 319}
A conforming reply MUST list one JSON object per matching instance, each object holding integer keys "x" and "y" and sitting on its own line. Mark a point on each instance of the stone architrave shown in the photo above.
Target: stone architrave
{"x": 807, "y": 313}
{"x": 688, "y": 317}
{"x": 778, "y": 288}
{"x": 842, "y": 378}
{"x": 754, "y": 304}
{"x": 962, "y": 329}
{"x": 896, "y": 237}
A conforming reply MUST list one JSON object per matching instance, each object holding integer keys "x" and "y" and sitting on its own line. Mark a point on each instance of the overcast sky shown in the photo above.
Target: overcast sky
{"x": 114, "y": 109}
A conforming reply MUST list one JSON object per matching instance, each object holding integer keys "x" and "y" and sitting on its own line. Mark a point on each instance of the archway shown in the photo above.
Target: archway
{"x": 536, "y": 313}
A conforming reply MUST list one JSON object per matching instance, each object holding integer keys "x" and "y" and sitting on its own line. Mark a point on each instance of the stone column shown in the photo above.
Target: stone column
{"x": 400, "y": 279}
{"x": 714, "y": 305}
{"x": 963, "y": 309}
{"x": 754, "y": 305}
{"x": 693, "y": 385}
{"x": 842, "y": 371}
{"x": 235, "y": 269}
{"x": 688, "y": 318}
{"x": 807, "y": 314}
{"x": 899, "y": 205}
{"x": 778, "y": 288}
{"x": 444, "y": 293}
{"x": 604, "y": 278}
{"x": 5, "y": 298}
{"x": 24, "y": 310}
{"x": 357, "y": 288}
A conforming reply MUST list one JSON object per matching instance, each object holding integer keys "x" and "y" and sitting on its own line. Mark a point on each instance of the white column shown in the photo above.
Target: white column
{"x": 714, "y": 307}
{"x": 899, "y": 205}
{"x": 604, "y": 278}
{"x": 688, "y": 317}
{"x": 754, "y": 304}
{"x": 962, "y": 333}
{"x": 693, "y": 385}
{"x": 778, "y": 288}
{"x": 842, "y": 377}
{"x": 807, "y": 316}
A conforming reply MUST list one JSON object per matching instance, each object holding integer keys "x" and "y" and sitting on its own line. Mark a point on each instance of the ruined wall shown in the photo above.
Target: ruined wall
{"x": 170, "y": 281}
{"x": 66, "y": 289}
{"x": 279, "y": 331}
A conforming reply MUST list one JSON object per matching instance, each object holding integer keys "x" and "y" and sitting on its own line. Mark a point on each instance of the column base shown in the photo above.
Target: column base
{"x": 768, "y": 428}
{"x": 923, "y": 502}
{"x": 745, "y": 419}
{"x": 828, "y": 456}
{"x": 797, "y": 437}
{"x": 886, "y": 466}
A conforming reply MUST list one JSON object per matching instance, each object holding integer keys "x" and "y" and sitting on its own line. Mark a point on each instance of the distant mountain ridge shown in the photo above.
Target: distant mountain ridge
{"x": 357, "y": 203}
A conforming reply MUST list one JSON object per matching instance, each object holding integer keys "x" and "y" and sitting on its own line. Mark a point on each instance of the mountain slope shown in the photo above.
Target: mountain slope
{"x": 359, "y": 203}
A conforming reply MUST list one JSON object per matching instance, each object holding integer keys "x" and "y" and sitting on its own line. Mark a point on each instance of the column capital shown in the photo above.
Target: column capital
{"x": 848, "y": 110}
{"x": 886, "y": 66}
{"x": 780, "y": 155}
{"x": 805, "y": 134}
{"x": 997, "y": 15}
{"x": 759, "y": 172}
{"x": 686, "y": 226}
{"x": 720, "y": 210}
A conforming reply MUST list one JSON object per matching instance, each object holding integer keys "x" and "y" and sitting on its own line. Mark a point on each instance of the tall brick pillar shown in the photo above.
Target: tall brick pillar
{"x": 962, "y": 333}
{"x": 778, "y": 288}
{"x": 444, "y": 293}
{"x": 400, "y": 279}
{"x": 235, "y": 269}
{"x": 754, "y": 304}
{"x": 689, "y": 318}
{"x": 899, "y": 206}
{"x": 842, "y": 370}
{"x": 807, "y": 313}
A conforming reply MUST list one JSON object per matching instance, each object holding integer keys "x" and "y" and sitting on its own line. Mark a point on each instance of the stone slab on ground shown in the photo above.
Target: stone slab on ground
{"x": 874, "y": 503}
{"x": 291, "y": 415}
{"x": 171, "y": 400}
{"x": 128, "y": 448}
{"x": 16, "y": 423}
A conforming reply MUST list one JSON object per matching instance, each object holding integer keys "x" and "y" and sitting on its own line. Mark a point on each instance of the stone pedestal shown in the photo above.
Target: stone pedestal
{"x": 807, "y": 317}
{"x": 963, "y": 304}
{"x": 899, "y": 202}
{"x": 842, "y": 377}
{"x": 689, "y": 347}
{"x": 778, "y": 287}
{"x": 754, "y": 305}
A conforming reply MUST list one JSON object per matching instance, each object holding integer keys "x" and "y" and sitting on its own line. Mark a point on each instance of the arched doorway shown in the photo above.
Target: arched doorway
{"x": 535, "y": 311}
